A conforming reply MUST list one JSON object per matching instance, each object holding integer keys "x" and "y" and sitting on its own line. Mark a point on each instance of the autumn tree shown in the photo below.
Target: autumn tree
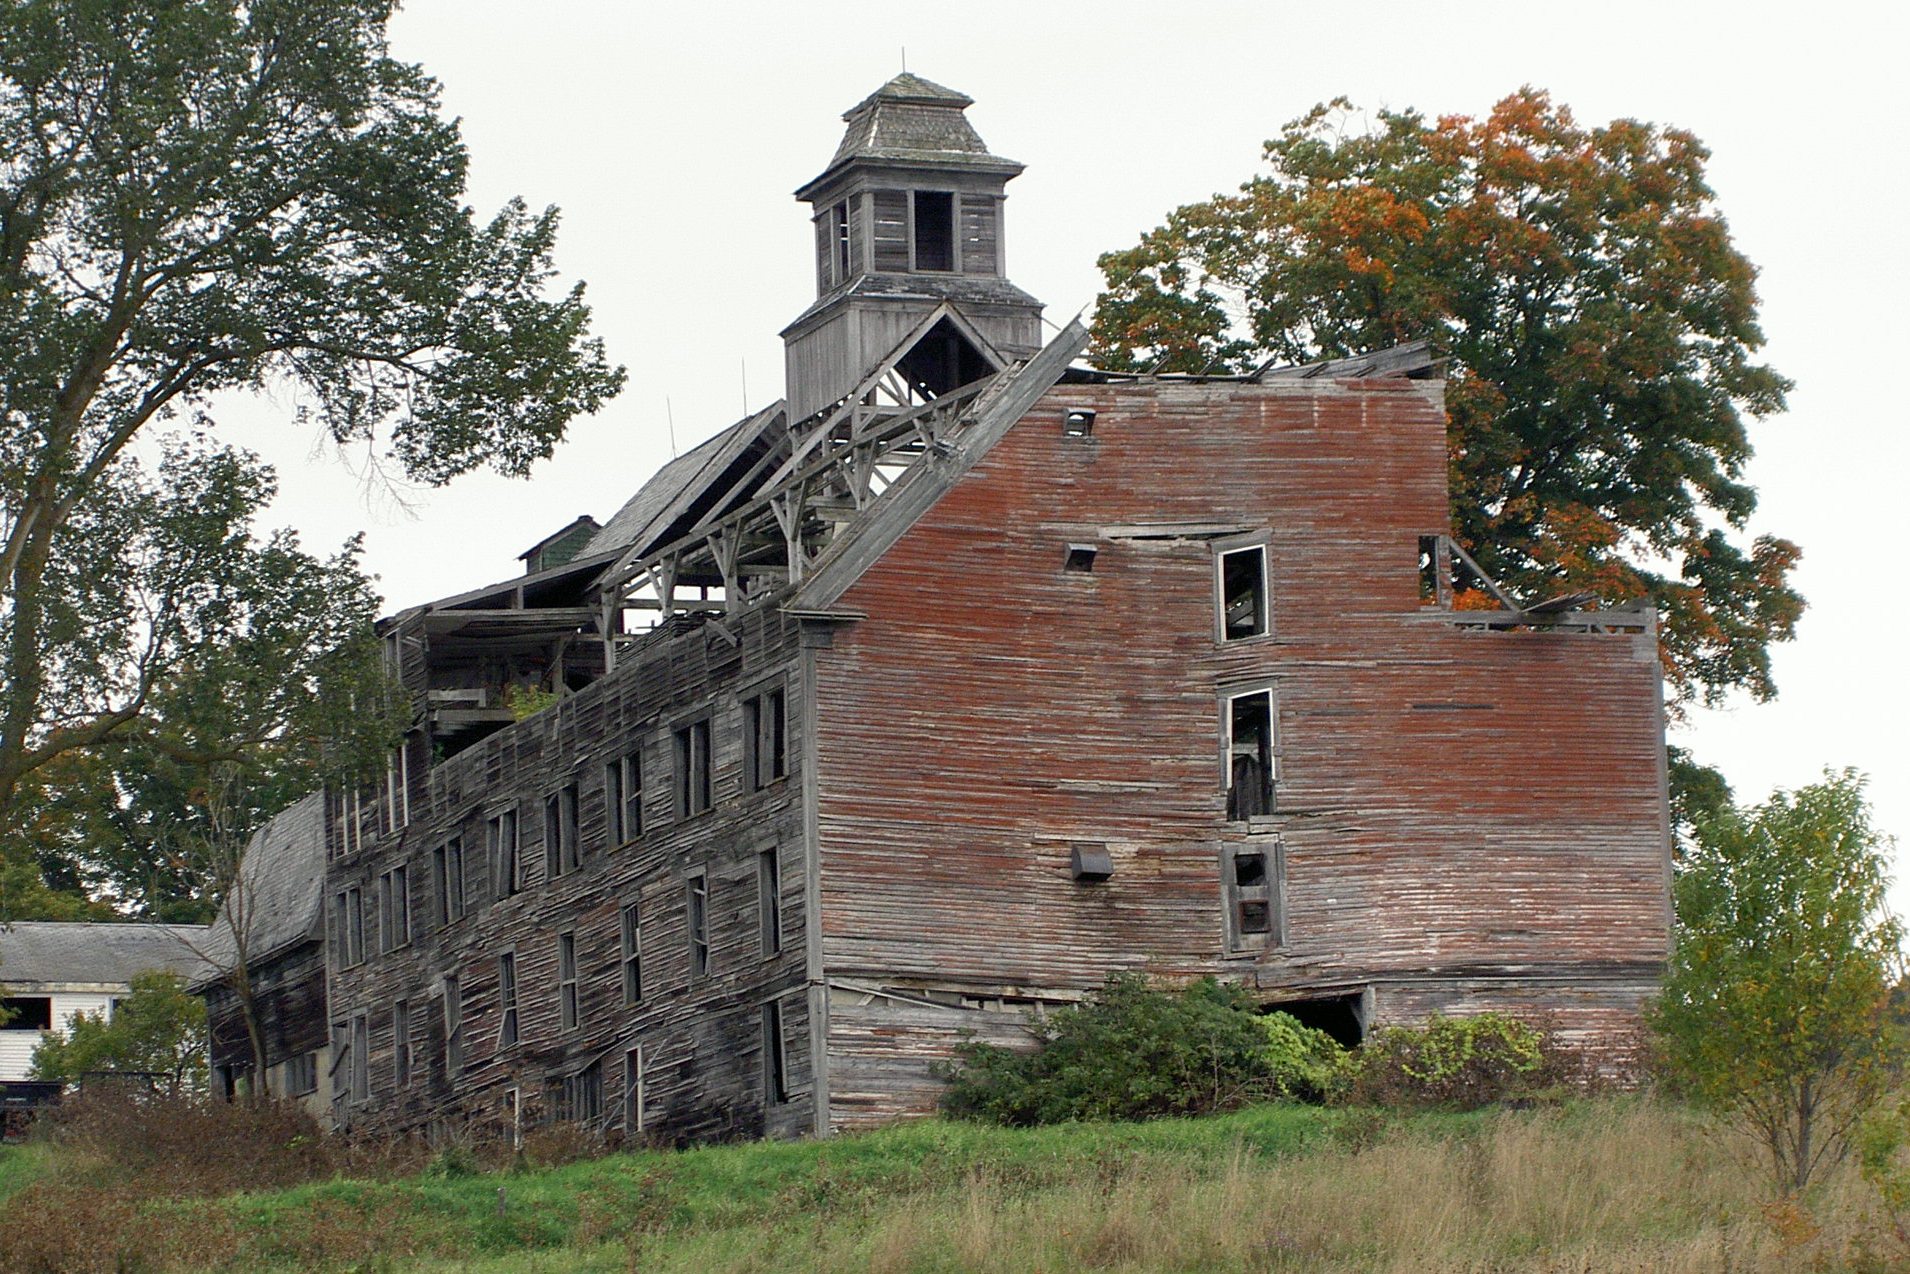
{"x": 197, "y": 198}
{"x": 1600, "y": 329}
{"x": 1776, "y": 1008}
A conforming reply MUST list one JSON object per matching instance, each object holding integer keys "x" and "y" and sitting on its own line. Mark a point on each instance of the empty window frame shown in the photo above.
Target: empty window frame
{"x": 841, "y": 238}
{"x": 453, "y": 1027}
{"x": 630, "y": 951}
{"x": 301, "y": 1075}
{"x": 697, "y": 915}
{"x": 567, "y": 981}
{"x": 398, "y": 786}
{"x": 775, "y": 1062}
{"x": 934, "y": 230}
{"x": 348, "y": 926}
{"x": 613, "y": 803}
{"x": 692, "y": 750}
{"x": 1250, "y": 755}
{"x": 447, "y": 879}
{"x": 633, "y": 795}
{"x": 507, "y": 999}
{"x": 560, "y": 832}
{"x": 764, "y": 739}
{"x": 582, "y": 1098}
{"x": 360, "y": 1058}
{"x": 351, "y": 819}
{"x": 500, "y": 832}
{"x": 401, "y": 1043}
{"x": 1240, "y": 581}
{"x": 633, "y": 1089}
{"x": 394, "y": 908}
{"x": 769, "y": 901}
{"x": 1252, "y": 878}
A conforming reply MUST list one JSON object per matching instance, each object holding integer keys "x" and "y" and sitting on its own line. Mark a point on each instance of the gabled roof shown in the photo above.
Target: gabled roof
{"x": 278, "y": 900}
{"x": 40, "y": 957}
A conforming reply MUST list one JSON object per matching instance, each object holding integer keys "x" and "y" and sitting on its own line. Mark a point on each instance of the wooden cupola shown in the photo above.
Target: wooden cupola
{"x": 908, "y": 219}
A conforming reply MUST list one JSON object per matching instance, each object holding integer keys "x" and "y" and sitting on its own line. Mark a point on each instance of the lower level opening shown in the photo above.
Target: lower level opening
{"x": 1339, "y": 1016}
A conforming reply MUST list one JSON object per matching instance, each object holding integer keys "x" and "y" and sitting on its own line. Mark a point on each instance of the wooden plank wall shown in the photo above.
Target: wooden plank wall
{"x": 702, "y": 1037}
{"x": 1452, "y": 804}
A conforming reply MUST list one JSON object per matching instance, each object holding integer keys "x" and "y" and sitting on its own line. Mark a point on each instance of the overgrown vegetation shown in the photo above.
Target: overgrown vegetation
{"x": 1134, "y": 1051}
{"x": 1616, "y": 1183}
{"x": 158, "y": 1032}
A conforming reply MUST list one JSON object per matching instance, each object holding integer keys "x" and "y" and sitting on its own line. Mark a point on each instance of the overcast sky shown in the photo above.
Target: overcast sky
{"x": 673, "y": 143}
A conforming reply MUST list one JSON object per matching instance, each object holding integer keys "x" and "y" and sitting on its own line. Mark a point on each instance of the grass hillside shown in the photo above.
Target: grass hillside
{"x": 1617, "y": 1184}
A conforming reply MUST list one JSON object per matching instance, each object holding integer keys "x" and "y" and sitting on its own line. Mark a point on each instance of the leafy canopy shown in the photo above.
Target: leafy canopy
{"x": 206, "y": 196}
{"x": 158, "y": 1030}
{"x": 1600, "y": 327}
{"x": 1774, "y": 1012}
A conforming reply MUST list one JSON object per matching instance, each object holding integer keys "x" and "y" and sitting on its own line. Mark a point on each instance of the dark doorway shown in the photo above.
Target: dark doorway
{"x": 1339, "y": 1016}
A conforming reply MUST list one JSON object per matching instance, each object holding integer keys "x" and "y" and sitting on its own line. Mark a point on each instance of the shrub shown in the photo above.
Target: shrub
{"x": 1457, "y": 1062}
{"x": 1138, "y": 1052}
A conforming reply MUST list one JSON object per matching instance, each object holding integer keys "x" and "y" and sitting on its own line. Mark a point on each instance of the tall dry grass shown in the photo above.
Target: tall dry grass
{"x": 1621, "y": 1187}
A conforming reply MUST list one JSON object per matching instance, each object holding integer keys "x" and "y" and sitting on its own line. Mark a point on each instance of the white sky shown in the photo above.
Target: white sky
{"x": 672, "y": 136}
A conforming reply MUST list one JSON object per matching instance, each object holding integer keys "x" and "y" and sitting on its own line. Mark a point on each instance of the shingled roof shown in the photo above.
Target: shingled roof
{"x": 912, "y": 121}
{"x": 39, "y": 957}
{"x": 279, "y": 898}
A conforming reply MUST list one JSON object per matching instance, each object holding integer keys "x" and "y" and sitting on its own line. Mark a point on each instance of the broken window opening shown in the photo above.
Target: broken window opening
{"x": 447, "y": 879}
{"x": 698, "y": 908}
{"x": 630, "y": 936}
{"x": 394, "y": 908}
{"x": 501, "y": 830}
{"x": 1078, "y": 423}
{"x": 567, "y": 981}
{"x": 943, "y": 360}
{"x": 453, "y": 1028}
{"x": 1243, "y": 592}
{"x": 560, "y": 832}
{"x": 633, "y": 1089}
{"x": 582, "y": 1100}
{"x": 763, "y": 739}
{"x": 775, "y": 1063}
{"x": 507, "y": 999}
{"x": 400, "y": 1047}
{"x": 1253, "y": 878}
{"x": 839, "y": 221}
{"x": 934, "y": 230}
{"x": 633, "y": 795}
{"x": 1341, "y": 1016}
{"x": 1251, "y": 762}
{"x": 769, "y": 901}
{"x": 1435, "y": 572}
{"x": 693, "y": 768}
{"x": 1079, "y": 559}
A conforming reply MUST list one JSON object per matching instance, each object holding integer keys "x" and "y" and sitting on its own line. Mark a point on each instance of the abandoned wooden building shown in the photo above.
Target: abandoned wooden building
{"x": 958, "y": 680}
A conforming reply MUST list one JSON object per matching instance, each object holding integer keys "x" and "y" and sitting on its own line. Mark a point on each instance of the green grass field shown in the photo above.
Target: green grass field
{"x": 1615, "y": 1184}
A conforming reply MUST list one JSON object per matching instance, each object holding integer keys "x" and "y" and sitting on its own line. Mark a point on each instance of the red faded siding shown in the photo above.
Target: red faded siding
{"x": 1450, "y": 799}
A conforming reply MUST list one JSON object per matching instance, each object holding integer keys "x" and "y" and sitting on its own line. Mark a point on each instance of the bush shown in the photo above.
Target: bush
{"x": 1137, "y": 1052}
{"x": 1459, "y": 1063}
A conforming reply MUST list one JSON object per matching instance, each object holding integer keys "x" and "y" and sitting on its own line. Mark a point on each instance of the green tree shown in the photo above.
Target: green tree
{"x": 157, "y": 1030}
{"x": 1776, "y": 1008}
{"x": 1599, "y": 324}
{"x": 199, "y": 197}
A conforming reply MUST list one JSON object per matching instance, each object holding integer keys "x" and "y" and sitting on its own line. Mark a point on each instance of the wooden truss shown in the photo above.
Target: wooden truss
{"x": 765, "y": 532}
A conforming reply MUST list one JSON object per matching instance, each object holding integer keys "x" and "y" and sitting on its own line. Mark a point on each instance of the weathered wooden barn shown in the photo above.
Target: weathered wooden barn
{"x": 959, "y": 679}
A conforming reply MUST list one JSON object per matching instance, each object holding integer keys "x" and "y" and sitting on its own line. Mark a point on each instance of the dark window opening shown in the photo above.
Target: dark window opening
{"x": 1250, "y": 759}
{"x": 27, "y": 1013}
{"x": 934, "y": 230}
{"x": 839, "y": 223}
{"x": 502, "y": 831}
{"x": 1339, "y": 1016}
{"x": 560, "y": 832}
{"x": 1080, "y": 559}
{"x": 1243, "y": 592}
{"x": 775, "y": 1073}
{"x": 613, "y": 802}
{"x": 1256, "y": 915}
{"x": 1252, "y": 877}
{"x": 633, "y": 796}
{"x": 764, "y": 740}
{"x": 581, "y": 1096}
{"x": 942, "y": 360}
{"x": 447, "y": 879}
{"x": 1250, "y": 869}
{"x": 693, "y": 769}
{"x": 769, "y": 901}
